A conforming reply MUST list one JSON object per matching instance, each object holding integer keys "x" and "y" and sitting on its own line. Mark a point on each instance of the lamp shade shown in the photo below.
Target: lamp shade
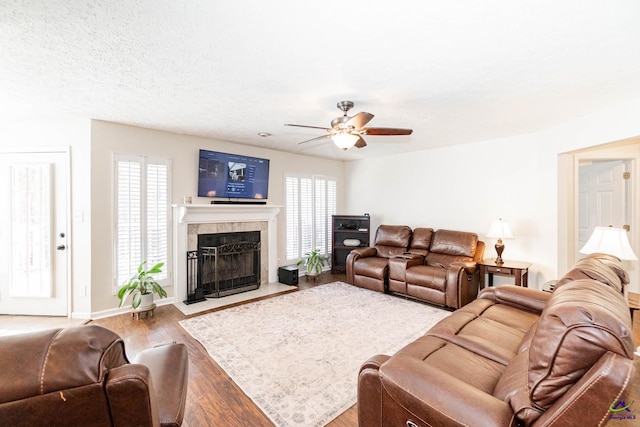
{"x": 344, "y": 139}
{"x": 609, "y": 240}
{"x": 500, "y": 229}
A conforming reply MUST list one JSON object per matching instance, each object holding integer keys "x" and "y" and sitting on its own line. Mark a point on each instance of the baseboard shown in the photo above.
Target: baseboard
{"x": 116, "y": 311}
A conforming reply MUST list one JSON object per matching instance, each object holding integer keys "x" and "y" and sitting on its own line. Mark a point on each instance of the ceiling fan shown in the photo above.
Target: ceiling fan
{"x": 347, "y": 132}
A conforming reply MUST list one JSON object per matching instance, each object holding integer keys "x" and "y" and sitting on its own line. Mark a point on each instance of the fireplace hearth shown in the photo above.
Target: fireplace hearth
{"x": 224, "y": 264}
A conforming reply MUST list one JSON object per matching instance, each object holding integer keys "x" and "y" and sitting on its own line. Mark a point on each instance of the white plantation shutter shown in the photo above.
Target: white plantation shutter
{"x": 306, "y": 215}
{"x": 309, "y": 204}
{"x": 142, "y": 229}
{"x": 331, "y": 210}
{"x": 128, "y": 220}
{"x": 320, "y": 214}
{"x": 158, "y": 216}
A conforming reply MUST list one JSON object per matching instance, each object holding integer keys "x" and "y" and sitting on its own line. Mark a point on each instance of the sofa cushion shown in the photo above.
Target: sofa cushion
{"x": 576, "y": 328}
{"x": 447, "y": 357}
{"x": 428, "y": 277}
{"x": 604, "y": 268}
{"x": 371, "y": 267}
{"x": 90, "y": 349}
{"x": 488, "y": 329}
{"x": 454, "y": 243}
{"x": 580, "y": 324}
{"x": 392, "y": 240}
{"x": 420, "y": 241}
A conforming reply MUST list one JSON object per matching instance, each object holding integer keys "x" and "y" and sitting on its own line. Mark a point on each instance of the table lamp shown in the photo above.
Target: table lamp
{"x": 500, "y": 229}
{"x": 609, "y": 240}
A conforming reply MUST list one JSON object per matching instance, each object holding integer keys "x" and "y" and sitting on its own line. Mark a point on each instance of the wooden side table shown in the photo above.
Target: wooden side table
{"x": 517, "y": 269}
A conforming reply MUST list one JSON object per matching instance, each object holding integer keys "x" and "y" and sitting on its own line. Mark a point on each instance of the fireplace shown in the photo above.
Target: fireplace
{"x": 192, "y": 220}
{"x": 224, "y": 264}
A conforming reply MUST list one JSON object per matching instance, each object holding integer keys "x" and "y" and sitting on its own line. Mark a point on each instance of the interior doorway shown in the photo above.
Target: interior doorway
{"x": 598, "y": 187}
{"x": 33, "y": 233}
{"x": 603, "y": 196}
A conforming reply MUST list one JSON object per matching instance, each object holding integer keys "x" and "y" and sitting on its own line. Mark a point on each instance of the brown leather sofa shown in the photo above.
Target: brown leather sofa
{"x": 513, "y": 357}
{"x": 439, "y": 267}
{"x": 80, "y": 376}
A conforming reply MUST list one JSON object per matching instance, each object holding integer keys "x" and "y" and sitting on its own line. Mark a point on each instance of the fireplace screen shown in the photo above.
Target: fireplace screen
{"x": 224, "y": 264}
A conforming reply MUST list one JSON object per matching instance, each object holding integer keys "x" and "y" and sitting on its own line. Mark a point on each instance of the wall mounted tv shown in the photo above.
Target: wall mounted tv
{"x": 232, "y": 175}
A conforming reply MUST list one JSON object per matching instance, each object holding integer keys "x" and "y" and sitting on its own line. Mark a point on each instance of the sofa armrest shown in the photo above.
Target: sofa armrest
{"x": 584, "y": 402}
{"x": 363, "y": 252}
{"x": 370, "y": 390}
{"x": 440, "y": 398}
{"x": 470, "y": 267}
{"x": 131, "y": 396}
{"x": 516, "y": 296}
{"x": 463, "y": 279}
{"x": 354, "y": 256}
{"x": 169, "y": 369}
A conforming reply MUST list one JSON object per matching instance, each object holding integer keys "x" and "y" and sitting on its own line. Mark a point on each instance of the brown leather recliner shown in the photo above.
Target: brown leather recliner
{"x": 80, "y": 376}
{"x": 449, "y": 275}
{"x": 513, "y": 357}
{"x": 369, "y": 267}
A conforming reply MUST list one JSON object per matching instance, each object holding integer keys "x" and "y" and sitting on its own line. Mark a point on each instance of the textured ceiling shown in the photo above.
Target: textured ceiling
{"x": 454, "y": 71}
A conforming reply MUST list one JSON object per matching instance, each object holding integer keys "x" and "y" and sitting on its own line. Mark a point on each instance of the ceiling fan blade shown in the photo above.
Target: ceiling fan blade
{"x": 387, "y": 131}
{"x": 315, "y": 139}
{"x": 311, "y": 127}
{"x": 360, "y": 143}
{"x": 359, "y": 120}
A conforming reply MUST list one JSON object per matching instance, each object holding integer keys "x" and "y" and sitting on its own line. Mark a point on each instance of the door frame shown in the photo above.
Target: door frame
{"x": 66, "y": 151}
{"x": 568, "y": 181}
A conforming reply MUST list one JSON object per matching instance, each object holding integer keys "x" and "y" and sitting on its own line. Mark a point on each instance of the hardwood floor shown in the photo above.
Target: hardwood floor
{"x": 213, "y": 399}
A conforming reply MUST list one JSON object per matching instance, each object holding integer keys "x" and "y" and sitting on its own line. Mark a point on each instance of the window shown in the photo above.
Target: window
{"x": 142, "y": 228}
{"x": 309, "y": 204}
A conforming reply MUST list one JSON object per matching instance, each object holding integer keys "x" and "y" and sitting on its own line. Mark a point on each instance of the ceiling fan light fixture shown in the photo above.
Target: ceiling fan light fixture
{"x": 346, "y": 132}
{"x": 344, "y": 139}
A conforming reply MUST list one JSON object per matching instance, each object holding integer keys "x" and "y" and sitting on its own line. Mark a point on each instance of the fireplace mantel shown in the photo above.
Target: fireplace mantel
{"x": 202, "y": 214}
{"x": 187, "y": 214}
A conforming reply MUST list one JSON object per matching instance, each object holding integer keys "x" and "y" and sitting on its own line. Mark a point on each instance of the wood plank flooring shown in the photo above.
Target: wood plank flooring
{"x": 213, "y": 399}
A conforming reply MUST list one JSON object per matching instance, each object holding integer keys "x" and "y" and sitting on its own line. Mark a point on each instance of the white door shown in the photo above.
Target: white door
{"x": 605, "y": 199}
{"x": 33, "y": 234}
{"x": 602, "y": 198}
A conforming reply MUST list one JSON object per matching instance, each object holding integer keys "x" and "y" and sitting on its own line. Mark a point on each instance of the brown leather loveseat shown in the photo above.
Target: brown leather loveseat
{"x": 80, "y": 376}
{"x": 439, "y": 266}
{"x": 513, "y": 357}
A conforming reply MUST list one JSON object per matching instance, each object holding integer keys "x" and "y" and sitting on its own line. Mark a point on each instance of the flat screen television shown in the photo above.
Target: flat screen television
{"x": 232, "y": 176}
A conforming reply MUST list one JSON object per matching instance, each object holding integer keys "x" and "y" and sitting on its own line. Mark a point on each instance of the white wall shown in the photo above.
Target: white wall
{"x": 108, "y": 138}
{"x": 465, "y": 187}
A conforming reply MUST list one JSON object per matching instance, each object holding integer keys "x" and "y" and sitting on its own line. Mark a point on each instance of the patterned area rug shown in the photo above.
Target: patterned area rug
{"x": 297, "y": 356}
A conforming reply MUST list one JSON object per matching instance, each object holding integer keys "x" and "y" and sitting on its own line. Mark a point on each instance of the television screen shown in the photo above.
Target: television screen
{"x": 232, "y": 176}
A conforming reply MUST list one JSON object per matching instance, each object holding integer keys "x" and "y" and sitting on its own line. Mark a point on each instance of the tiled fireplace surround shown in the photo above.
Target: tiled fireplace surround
{"x": 191, "y": 220}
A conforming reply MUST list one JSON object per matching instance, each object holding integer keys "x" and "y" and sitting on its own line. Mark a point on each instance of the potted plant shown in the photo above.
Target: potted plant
{"x": 142, "y": 285}
{"x": 314, "y": 261}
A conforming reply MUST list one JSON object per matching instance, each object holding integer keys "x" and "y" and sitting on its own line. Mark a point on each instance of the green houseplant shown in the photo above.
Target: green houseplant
{"x": 142, "y": 283}
{"x": 314, "y": 261}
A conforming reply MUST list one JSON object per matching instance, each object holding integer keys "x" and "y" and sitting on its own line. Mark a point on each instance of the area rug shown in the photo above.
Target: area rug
{"x": 297, "y": 356}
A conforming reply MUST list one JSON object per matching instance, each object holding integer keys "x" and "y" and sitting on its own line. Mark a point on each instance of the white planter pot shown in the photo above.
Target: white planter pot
{"x": 146, "y": 300}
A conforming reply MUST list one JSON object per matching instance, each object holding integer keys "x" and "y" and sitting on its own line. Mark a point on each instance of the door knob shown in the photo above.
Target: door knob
{"x": 61, "y": 247}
